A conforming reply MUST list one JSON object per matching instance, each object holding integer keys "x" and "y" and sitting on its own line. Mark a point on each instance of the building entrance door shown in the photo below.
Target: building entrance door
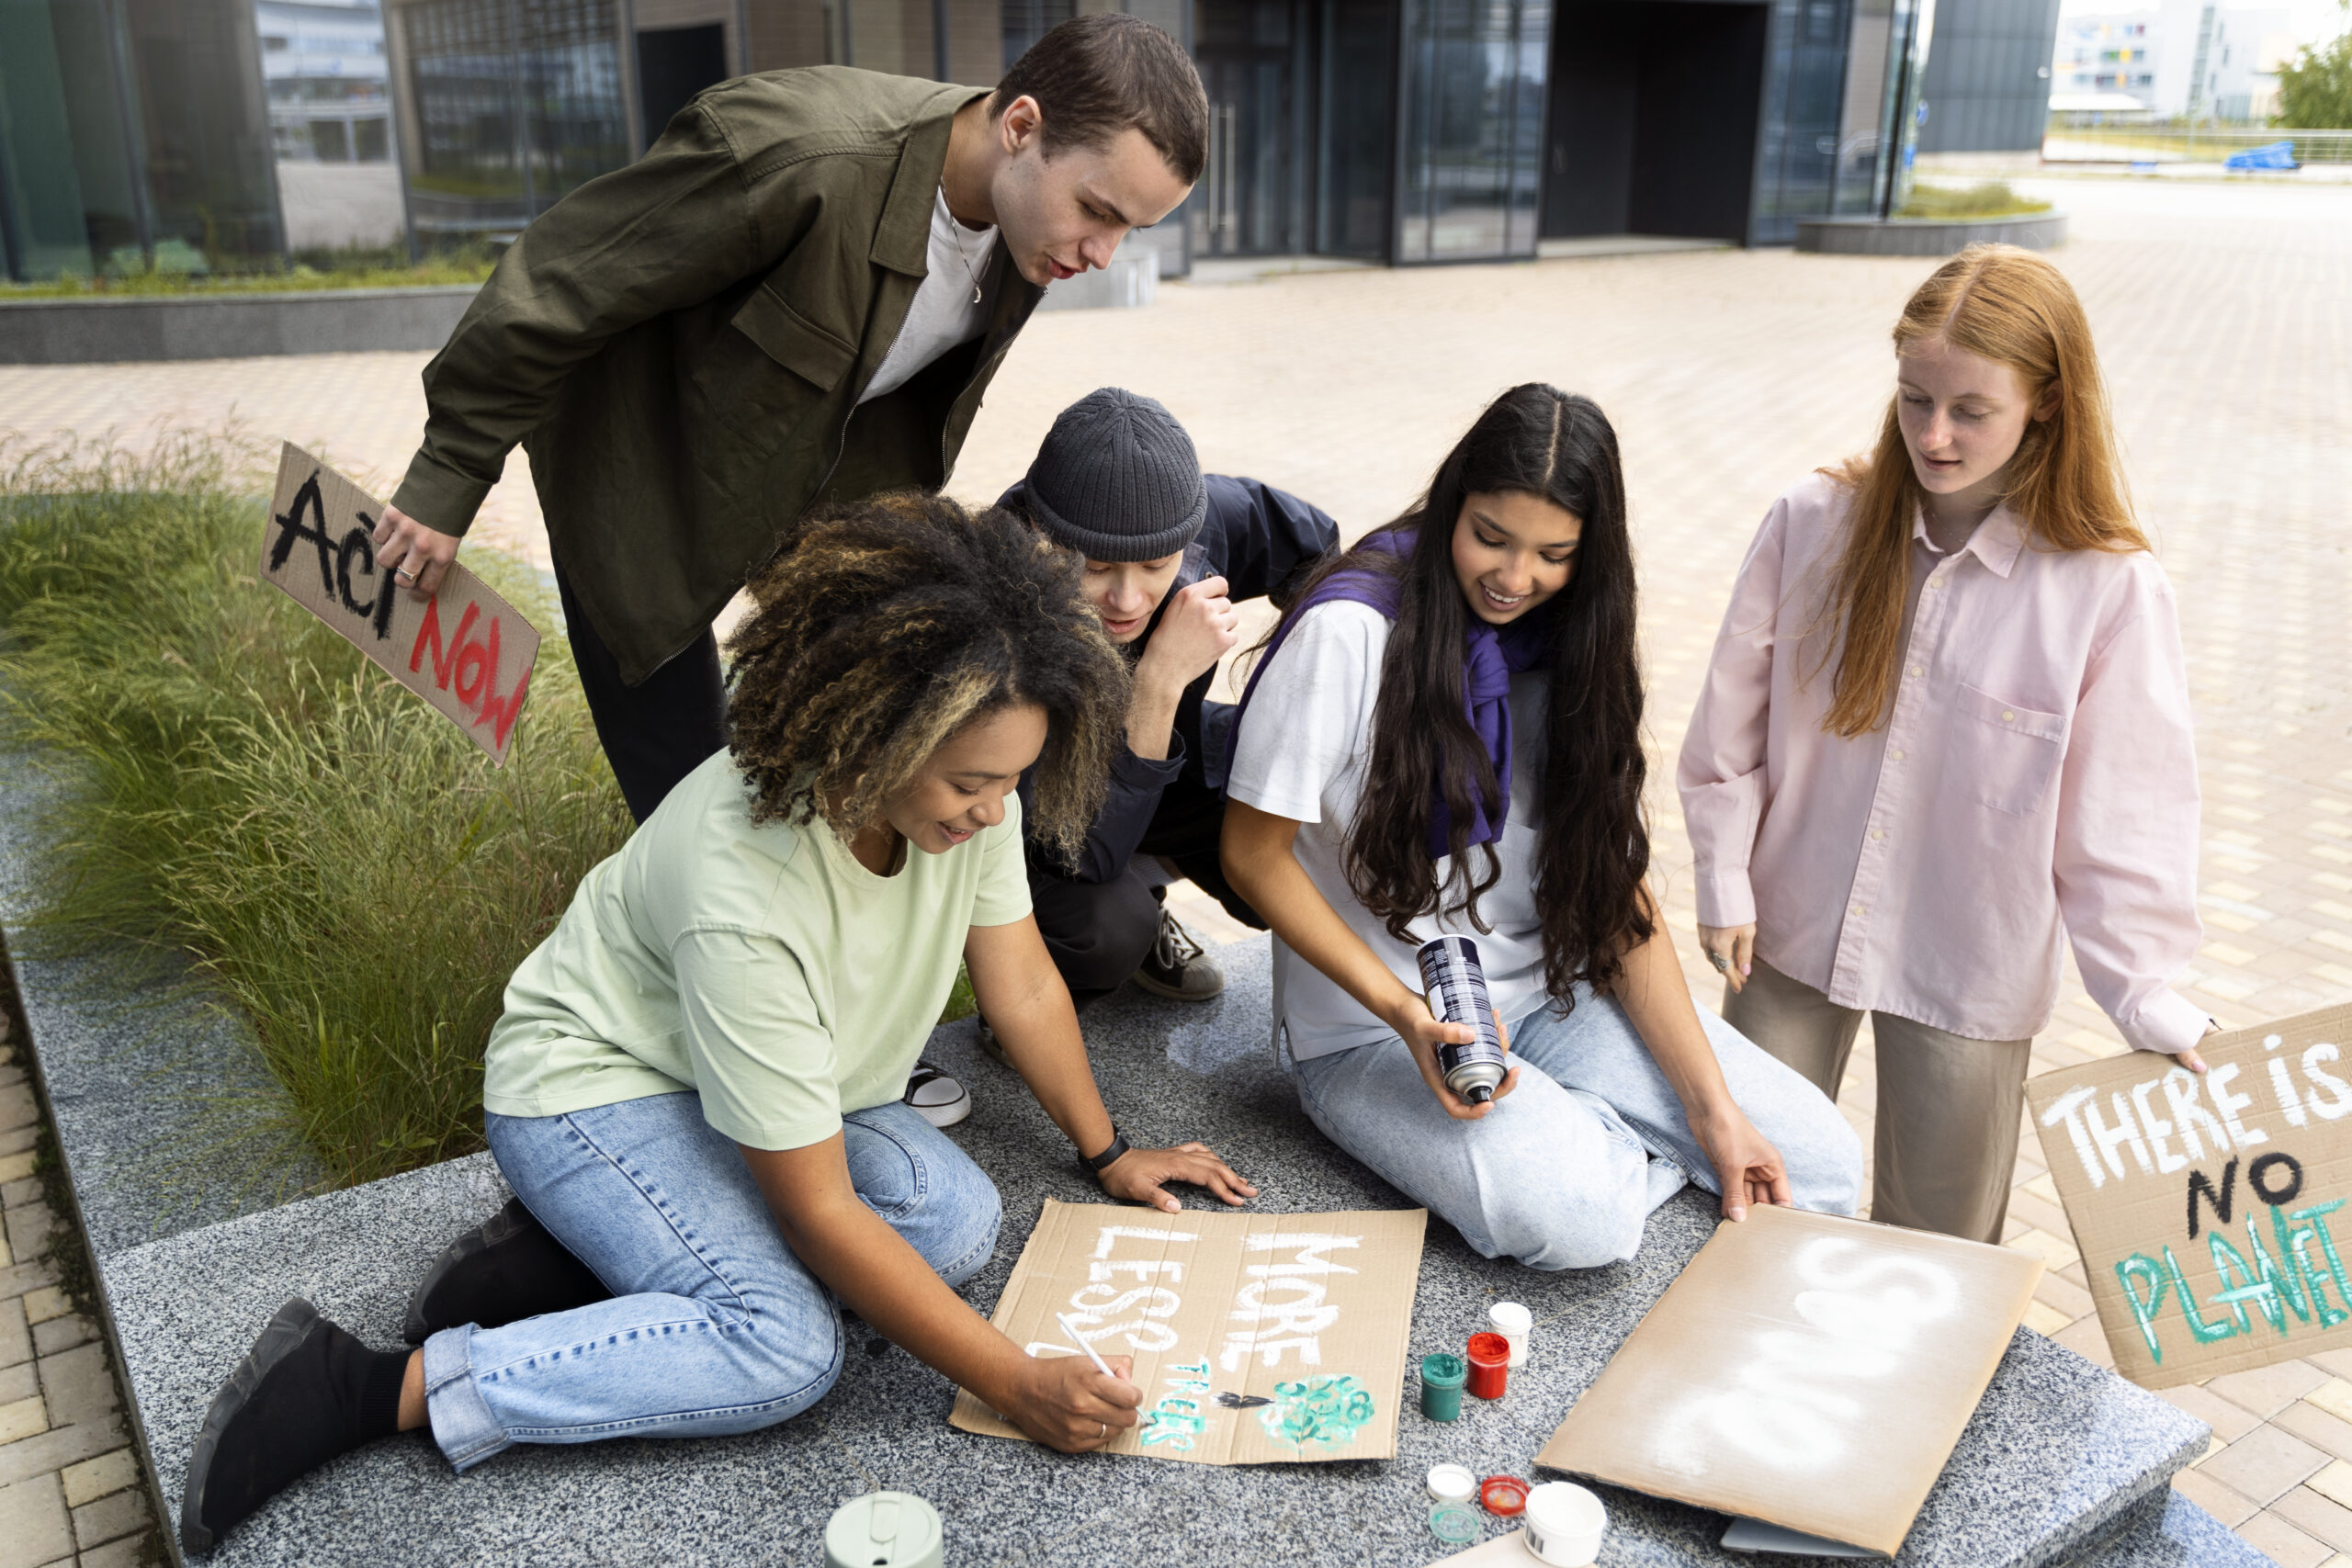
{"x": 1253, "y": 57}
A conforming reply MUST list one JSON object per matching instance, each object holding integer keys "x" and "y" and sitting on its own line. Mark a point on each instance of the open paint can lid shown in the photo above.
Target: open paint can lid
{"x": 1505, "y": 1496}
{"x": 894, "y": 1529}
{"x": 1454, "y": 1524}
{"x": 1453, "y": 1482}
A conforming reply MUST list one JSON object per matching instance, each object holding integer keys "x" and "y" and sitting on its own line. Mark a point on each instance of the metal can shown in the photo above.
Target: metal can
{"x": 1455, "y": 986}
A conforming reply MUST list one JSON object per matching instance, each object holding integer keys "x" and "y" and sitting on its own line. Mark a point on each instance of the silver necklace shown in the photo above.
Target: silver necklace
{"x": 956, "y": 232}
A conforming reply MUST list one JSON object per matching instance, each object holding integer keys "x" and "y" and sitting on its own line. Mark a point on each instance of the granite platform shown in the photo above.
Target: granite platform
{"x": 2063, "y": 1462}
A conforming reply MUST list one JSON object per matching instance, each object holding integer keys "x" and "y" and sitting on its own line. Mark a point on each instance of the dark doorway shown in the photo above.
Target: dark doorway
{"x": 1254, "y": 58}
{"x": 672, "y": 65}
{"x": 1653, "y": 118}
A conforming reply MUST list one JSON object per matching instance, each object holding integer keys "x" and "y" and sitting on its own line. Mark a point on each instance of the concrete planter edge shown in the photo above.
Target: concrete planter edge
{"x": 1928, "y": 236}
{"x": 229, "y": 326}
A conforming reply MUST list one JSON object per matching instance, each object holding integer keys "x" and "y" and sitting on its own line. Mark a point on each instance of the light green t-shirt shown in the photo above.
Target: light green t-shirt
{"x": 763, "y": 967}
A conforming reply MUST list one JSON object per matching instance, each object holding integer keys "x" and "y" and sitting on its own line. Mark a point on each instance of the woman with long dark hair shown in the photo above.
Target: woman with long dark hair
{"x": 1443, "y": 736}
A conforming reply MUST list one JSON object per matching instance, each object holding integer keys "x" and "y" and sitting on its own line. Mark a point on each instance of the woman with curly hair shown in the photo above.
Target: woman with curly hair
{"x": 696, "y": 1086}
{"x": 1443, "y": 736}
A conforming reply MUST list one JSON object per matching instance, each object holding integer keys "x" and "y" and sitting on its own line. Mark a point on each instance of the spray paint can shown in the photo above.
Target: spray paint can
{"x": 1455, "y": 985}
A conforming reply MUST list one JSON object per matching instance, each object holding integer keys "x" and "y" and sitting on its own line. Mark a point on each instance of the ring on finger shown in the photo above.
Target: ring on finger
{"x": 1723, "y": 964}
{"x": 402, "y": 571}
{"x": 1103, "y": 1436}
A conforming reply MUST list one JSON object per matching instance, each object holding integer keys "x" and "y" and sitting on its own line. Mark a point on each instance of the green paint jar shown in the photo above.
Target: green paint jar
{"x": 1442, "y": 1379}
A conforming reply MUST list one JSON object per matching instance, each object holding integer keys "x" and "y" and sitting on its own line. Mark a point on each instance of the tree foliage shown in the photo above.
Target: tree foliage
{"x": 2315, "y": 87}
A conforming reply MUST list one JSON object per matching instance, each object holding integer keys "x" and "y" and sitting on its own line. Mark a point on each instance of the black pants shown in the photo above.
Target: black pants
{"x": 656, "y": 733}
{"x": 1099, "y": 932}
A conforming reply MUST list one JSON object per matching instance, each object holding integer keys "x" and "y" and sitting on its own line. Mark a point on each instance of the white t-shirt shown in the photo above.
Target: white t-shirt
{"x": 1305, "y": 738}
{"x": 943, "y": 312}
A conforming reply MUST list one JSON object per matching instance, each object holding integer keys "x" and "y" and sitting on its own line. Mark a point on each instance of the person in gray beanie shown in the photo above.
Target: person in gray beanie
{"x": 1169, "y": 551}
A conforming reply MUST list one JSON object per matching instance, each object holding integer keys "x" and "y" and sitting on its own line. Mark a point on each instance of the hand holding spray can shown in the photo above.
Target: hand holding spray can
{"x": 1455, "y": 986}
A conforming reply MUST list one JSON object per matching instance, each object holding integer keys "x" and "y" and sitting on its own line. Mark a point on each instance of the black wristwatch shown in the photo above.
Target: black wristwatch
{"x": 1098, "y": 1164}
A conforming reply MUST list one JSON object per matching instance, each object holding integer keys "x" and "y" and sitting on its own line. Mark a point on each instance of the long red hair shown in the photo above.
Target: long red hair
{"x": 2012, "y": 306}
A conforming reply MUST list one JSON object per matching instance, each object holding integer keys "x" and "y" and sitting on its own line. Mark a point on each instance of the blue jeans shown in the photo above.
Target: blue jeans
{"x": 1562, "y": 1173}
{"x": 715, "y": 1327}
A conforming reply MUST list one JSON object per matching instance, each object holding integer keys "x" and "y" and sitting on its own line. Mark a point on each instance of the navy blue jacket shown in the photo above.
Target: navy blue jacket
{"x": 1257, "y": 538}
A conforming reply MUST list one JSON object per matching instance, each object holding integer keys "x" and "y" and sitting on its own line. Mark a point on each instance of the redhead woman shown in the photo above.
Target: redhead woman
{"x": 1945, "y": 727}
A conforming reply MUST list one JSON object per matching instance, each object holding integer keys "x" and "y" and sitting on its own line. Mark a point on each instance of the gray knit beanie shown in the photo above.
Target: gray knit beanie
{"x": 1118, "y": 479}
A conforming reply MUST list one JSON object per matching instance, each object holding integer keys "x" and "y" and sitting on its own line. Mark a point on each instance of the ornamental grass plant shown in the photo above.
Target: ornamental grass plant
{"x": 246, "y": 801}
{"x": 1990, "y": 198}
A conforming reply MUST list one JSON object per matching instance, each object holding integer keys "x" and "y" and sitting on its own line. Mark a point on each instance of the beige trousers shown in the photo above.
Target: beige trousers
{"x": 1948, "y": 1107}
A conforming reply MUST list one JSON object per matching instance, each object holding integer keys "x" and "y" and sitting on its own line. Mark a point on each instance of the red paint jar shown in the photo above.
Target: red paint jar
{"x": 1489, "y": 1365}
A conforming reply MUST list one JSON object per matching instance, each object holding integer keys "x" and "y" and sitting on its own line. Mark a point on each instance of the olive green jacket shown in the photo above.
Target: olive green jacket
{"x": 679, "y": 346}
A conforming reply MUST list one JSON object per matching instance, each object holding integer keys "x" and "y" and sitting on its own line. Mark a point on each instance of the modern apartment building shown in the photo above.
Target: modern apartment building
{"x": 2184, "y": 60}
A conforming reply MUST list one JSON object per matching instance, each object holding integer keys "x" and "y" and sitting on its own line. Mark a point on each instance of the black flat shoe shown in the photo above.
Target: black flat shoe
{"x": 506, "y": 1268}
{"x": 305, "y": 1393}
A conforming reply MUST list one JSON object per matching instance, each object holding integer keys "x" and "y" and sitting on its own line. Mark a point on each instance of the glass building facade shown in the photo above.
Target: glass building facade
{"x": 1402, "y": 131}
{"x": 1471, "y": 152}
{"x": 133, "y": 134}
{"x": 514, "y": 103}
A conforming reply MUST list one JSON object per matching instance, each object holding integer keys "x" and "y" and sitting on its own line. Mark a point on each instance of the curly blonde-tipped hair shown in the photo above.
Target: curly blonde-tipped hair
{"x": 888, "y": 626}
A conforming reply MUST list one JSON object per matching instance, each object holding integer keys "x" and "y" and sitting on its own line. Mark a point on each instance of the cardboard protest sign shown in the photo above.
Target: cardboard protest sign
{"x": 465, "y": 650}
{"x": 1257, "y": 1338}
{"x": 1808, "y": 1370}
{"x": 2202, "y": 1206}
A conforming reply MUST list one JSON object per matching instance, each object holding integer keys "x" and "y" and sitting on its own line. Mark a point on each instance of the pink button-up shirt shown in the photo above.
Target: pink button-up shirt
{"x": 2037, "y": 774}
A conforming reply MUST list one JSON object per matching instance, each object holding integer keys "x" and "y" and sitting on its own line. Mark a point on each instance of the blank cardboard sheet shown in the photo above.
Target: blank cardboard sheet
{"x": 1808, "y": 1370}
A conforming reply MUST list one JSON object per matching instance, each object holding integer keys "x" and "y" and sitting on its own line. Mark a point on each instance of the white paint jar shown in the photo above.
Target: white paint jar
{"x": 1452, "y": 1484}
{"x": 1565, "y": 1524}
{"x": 1515, "y": 1322}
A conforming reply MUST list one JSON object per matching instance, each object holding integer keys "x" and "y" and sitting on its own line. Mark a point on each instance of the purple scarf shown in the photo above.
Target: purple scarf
{"x": 1492, "y": 656}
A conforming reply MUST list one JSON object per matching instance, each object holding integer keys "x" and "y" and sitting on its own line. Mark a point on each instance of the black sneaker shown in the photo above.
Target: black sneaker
{"x": 305, "y": 1393}
{"x": 936, "y": 1098}
{"x": 1178, "y": 967}
{"x": 506, "y": 1268}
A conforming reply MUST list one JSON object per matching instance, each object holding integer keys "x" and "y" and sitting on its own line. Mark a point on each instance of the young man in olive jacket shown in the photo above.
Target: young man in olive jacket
{"x": 798, "y": 294}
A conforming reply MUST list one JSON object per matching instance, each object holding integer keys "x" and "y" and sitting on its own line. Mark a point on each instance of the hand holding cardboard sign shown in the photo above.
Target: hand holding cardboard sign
{"x": 458, "y": 646}
{"x": 417, "y": 555}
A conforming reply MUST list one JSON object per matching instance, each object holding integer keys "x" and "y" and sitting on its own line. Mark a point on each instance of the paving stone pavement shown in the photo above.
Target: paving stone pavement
{"x": 72, "y": 1489}
{"x": 2222, "y": 315}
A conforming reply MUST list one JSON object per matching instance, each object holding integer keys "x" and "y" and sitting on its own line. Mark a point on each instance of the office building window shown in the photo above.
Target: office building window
{"x": 1471, "y": 165}
{"x": 1027, "y": 21}
{"x": 133, "y": 135}
{"x": 517, "y": 103}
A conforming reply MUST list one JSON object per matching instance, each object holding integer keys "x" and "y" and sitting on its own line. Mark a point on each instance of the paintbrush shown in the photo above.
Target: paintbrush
{"x": 1100, "y": 1364}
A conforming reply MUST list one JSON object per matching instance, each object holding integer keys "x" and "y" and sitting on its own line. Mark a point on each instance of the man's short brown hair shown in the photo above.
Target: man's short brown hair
{"x": 1095, "y": 77}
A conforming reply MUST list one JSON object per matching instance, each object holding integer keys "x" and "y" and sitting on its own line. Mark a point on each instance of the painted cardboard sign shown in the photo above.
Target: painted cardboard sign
{"x": 1257, "y": 1338}
{"x": 1808, "y": 1370}
{"x": 465, "y": 650}
{"x": 2207, "y": 1208}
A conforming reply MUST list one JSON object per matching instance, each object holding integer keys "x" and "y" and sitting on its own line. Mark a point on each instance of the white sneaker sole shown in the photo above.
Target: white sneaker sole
{"x": 946, "y": 1114}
